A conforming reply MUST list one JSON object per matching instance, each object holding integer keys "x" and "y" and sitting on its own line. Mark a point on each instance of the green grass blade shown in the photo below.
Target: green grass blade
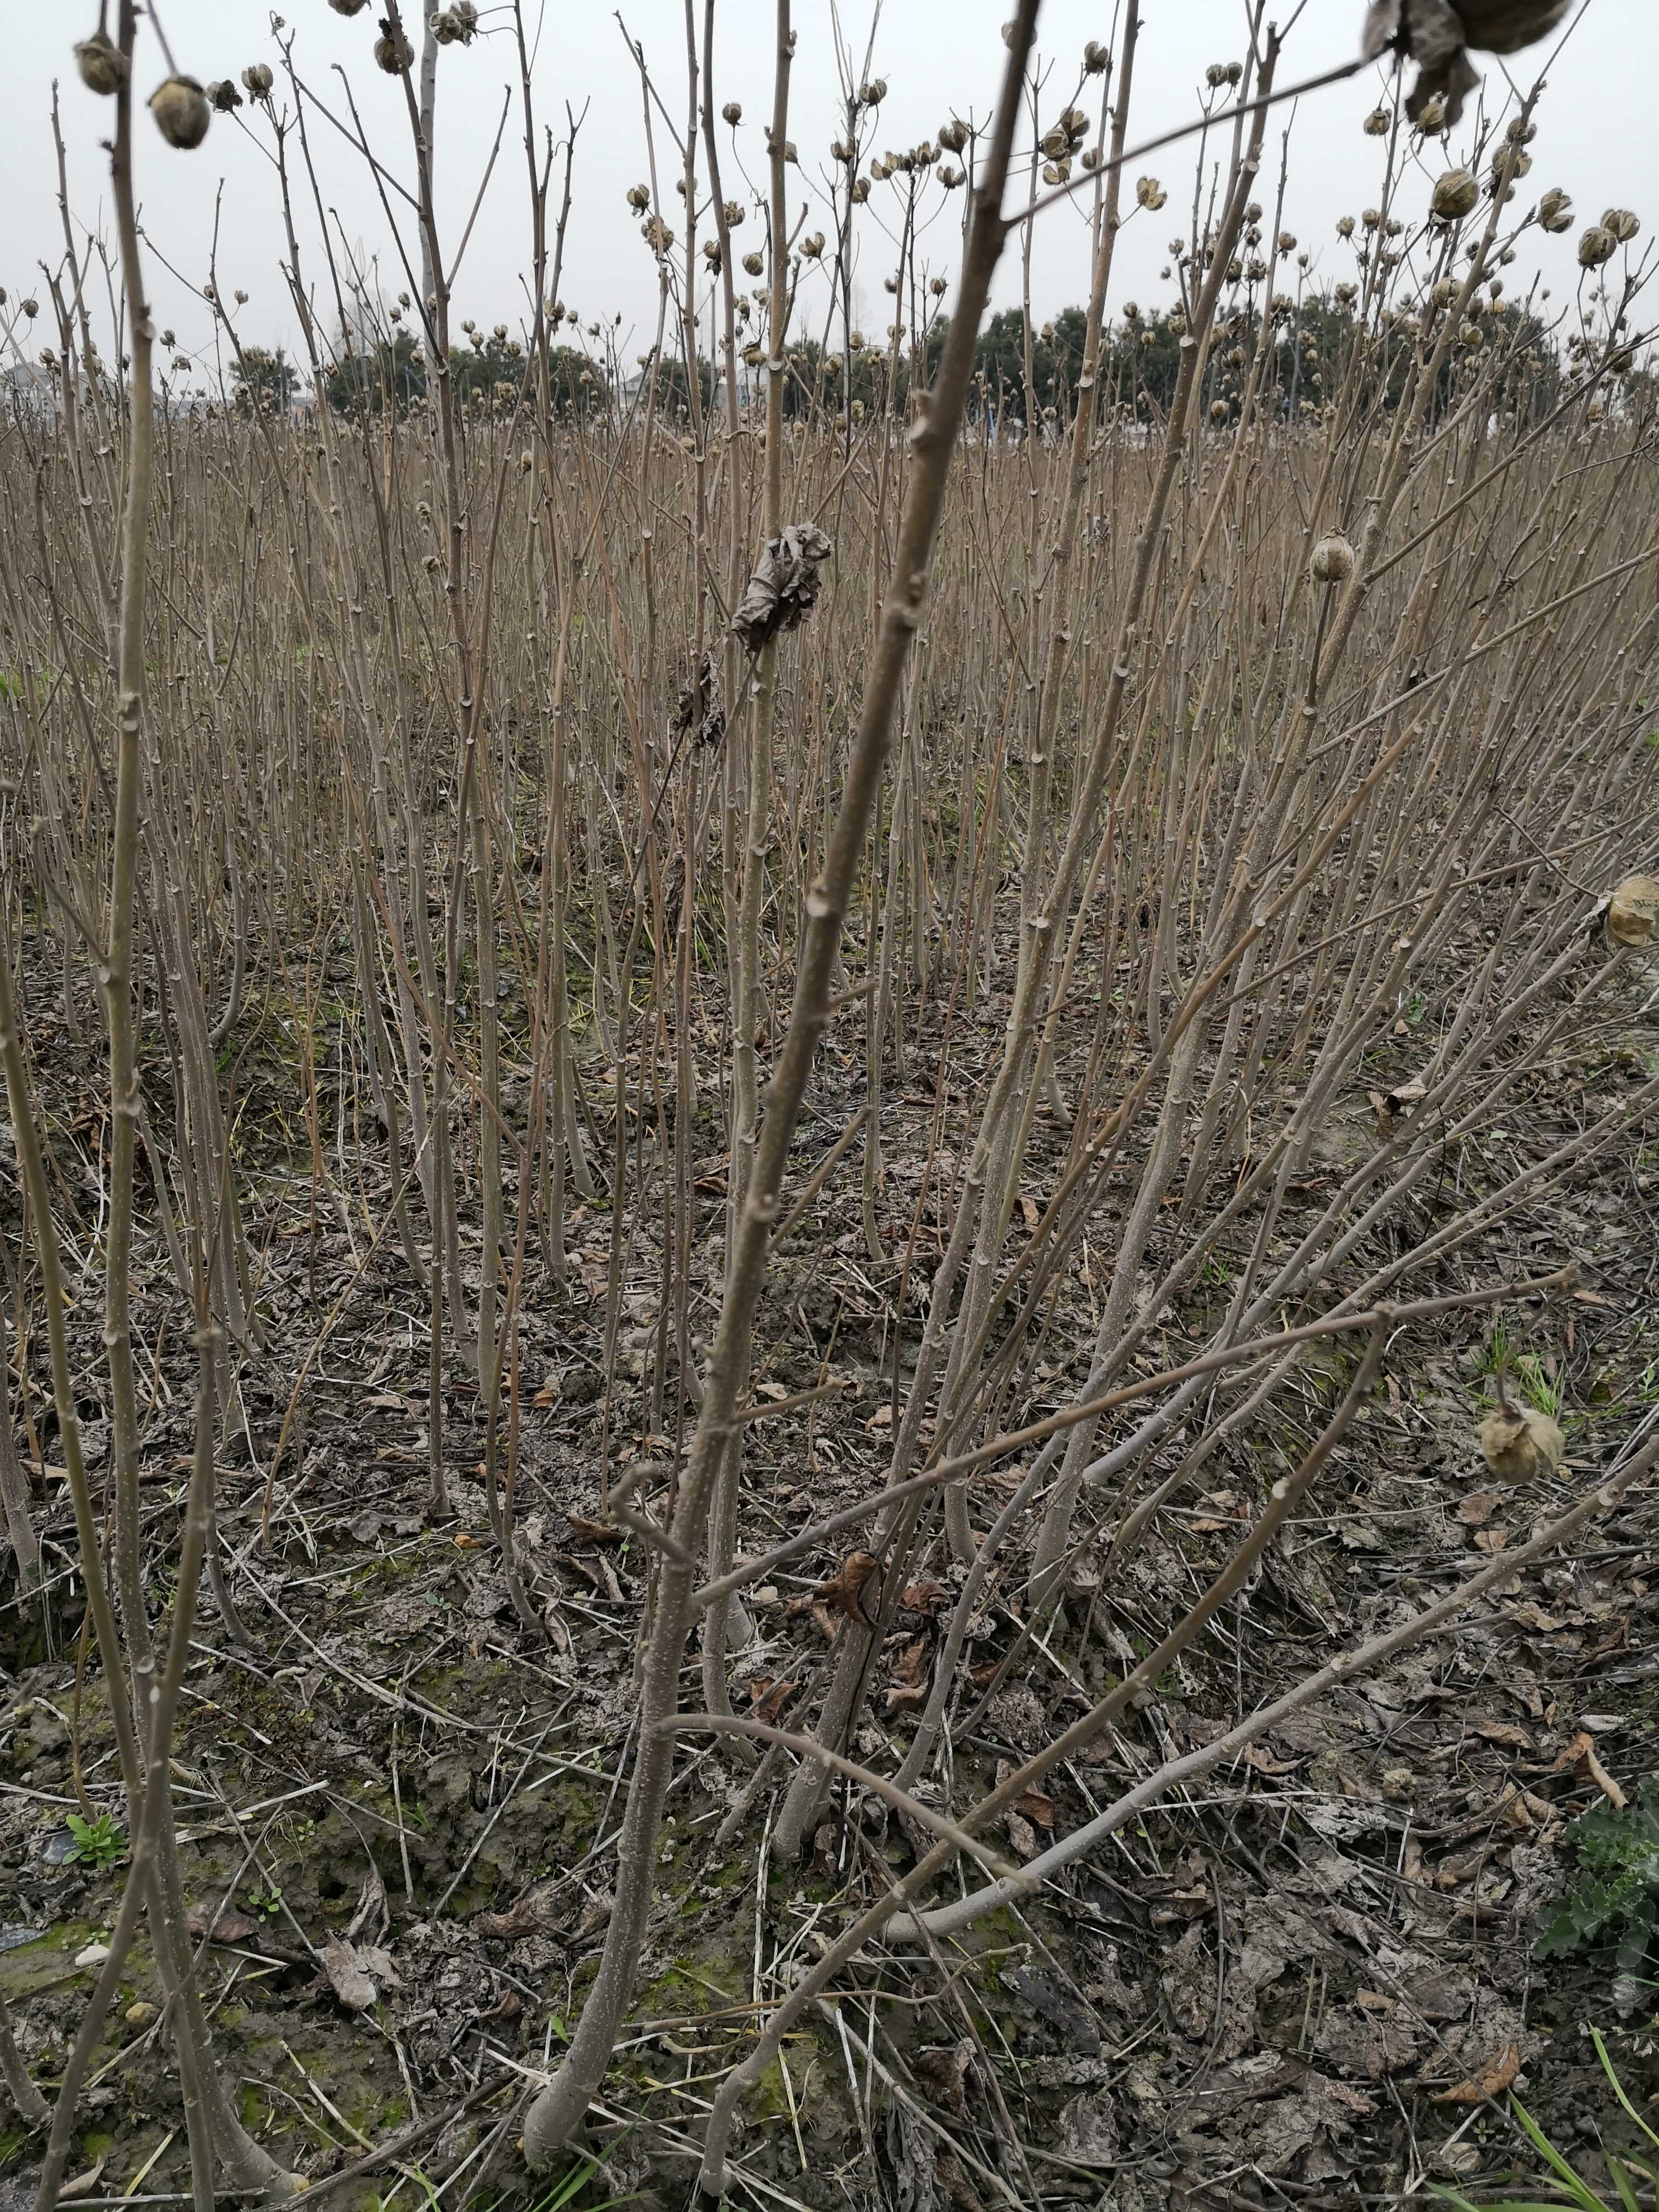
{"x": 1617, "y": 2086}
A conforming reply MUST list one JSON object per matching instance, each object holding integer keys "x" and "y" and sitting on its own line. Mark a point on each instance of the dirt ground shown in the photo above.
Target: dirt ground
{"x": 1307, "y": 1984}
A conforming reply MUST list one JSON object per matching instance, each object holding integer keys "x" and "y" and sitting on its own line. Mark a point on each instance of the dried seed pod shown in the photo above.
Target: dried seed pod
{"x": 953, "y": 134}
{"x": 1623, "y": 223}
{"x": 1633, "y": 912}
{"x": 348, "y": 7}
{"x": 392, "y": 52}
{"x": 812, "y": 245}
{"x": 732, "y": 113}
{"x": 1519, "y": 1443}
{"x": 182, "y": 115}
{"x": 1150, "y": 194}
{"x": 639, "y": 198}
{"x": 1431, "y": 115}
{"x": 1219, "y": 411}
{"x": 258, "y": 80}
{"x": 1096, "y": 59}
{"x": 102, "y": 64}
{"x": 1333, "y": 560}
{"x": 1597, "y": 246}
{"x": 1456, "y": 194}
{"x": 874, "y": 92}
{"x": 1376, "y": 123}
{"x": 223, "y": 96}
{"x": 753, "y": 264}
{"x": 1555, "y": 210}
{"x": 1057, "y": 172}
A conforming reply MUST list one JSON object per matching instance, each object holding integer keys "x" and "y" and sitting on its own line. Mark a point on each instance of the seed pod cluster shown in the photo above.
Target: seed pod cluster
{"x": 456, "y": 26}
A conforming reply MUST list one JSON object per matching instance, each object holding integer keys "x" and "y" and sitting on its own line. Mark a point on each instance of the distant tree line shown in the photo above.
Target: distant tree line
{"x": 394, "y": 373}
{"x": 1019, "y": 375}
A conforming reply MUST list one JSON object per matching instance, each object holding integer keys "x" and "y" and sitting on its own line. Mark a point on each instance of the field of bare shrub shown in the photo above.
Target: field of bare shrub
{"x": 830, "y": 1178}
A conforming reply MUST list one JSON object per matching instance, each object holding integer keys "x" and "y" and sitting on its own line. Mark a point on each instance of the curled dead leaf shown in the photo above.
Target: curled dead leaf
{"x": 226, "y": 1926}
{"x": 924, "y": 1597}
{"x": 1037, "y": 1807}
{"x": 592, "y": 1532}
{"x": 1491, "y": 2080}
{"x": 769, "y": 1695}
{"x": 349, "y": 1975}
{"x": 843, "y": 1592}
{"x": 942, "y": 2072}
{"x": 909, "y": 1684}
{"x": 1477, "y": 1508}
{"x": 785, "y": 584}
{"x": 1580, "y": 1758}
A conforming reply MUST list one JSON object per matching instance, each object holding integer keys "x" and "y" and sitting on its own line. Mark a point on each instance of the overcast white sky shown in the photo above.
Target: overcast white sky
{"x": 1596, "y": 139}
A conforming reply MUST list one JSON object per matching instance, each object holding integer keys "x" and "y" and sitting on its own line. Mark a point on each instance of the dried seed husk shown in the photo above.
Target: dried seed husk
{"x": 1456, "y": 194}
{"x": 181, "y": 112}
{"x": 102, "y": 64}
{"x": 392, "y": 52}
{"x": 1333, "y": 560}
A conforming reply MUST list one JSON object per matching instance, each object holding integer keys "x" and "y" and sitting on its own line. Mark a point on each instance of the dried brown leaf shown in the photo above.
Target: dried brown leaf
{"x": 348, "y": 1975}
{"x": 1491, "y": 2080}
